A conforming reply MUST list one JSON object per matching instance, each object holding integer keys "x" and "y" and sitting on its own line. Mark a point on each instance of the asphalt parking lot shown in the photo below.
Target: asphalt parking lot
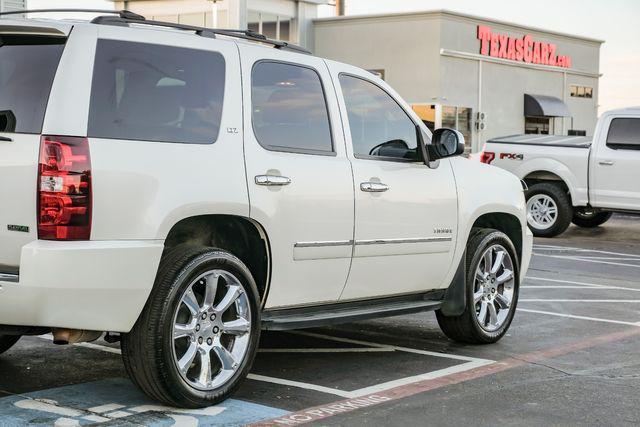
{"x": 572, "y": 357}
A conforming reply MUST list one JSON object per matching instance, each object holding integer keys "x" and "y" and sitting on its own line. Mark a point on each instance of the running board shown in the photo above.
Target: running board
{"x": 331, "y": 314}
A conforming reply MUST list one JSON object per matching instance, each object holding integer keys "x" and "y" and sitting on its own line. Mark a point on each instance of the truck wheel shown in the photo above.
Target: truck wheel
{"x": 588, "y": 218}
{"x": 492, "y": 290}
{"x": 197, "y": 337}
{"x": 549, "y": 210}
{"x": 8, "y": 341}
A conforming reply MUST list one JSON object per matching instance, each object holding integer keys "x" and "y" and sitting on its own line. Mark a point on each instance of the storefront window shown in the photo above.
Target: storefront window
{"x": 458, "y": 118}
{"x": 581, "y": 91}
{"x": 538, "y": 125}
{"x": 427, "y": 114}
{"x": 273, "y": 26}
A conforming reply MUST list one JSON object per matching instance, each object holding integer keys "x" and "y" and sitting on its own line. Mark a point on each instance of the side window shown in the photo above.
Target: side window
{"x": 289, "y": 109}
{"x": 624, "y": 134}
{"x": 159, "y": 93}
{"x": 379, "y": 126}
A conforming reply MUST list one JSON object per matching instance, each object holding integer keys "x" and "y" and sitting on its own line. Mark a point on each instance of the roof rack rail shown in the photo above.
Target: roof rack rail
{"x": 125, "y": 14}
{"x": 126, "y": 17}
{"x": 201, "y": 31}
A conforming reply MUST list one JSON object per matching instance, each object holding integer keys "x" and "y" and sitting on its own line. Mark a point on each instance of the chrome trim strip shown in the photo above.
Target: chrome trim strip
{"x": 332, "y": 243}
{"x": 6, "y": 277}
{"x": 323, "y": 244}
{"x": 401, "y": 241}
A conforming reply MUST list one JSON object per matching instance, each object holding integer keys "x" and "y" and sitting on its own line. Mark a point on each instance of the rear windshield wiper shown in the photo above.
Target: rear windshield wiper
{"x": 5, "y": 139}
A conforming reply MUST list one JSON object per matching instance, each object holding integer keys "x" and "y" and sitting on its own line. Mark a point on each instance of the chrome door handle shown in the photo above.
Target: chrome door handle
{"x": 373, "y": 187}
{"x": 272, "y": 180}
{"x": 606, "y": 163}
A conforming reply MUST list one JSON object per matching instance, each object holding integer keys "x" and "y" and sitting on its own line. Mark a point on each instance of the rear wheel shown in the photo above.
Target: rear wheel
{"x": 491, "y": 293}
{"x": 549, "y": 209}
{"x": 197, "y": 337}
{"x": 589, "y": 218}
{"x": 8, "y": 341}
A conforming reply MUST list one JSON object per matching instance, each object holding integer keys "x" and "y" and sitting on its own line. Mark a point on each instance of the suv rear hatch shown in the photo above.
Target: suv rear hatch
{"x": 29, "y": 58}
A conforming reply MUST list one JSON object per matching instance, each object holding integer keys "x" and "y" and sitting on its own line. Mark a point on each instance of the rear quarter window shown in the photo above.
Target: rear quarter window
{"x": 157, "y": 93}
{"x": 28, "y": 66}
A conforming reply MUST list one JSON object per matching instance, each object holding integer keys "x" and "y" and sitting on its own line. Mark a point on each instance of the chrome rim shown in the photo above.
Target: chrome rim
{"x": 494, "y": 287}
{"x": 211, "y": 330}
{"x": 542, "y": 211}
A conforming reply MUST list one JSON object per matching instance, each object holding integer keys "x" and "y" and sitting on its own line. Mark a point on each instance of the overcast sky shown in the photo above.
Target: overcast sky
{"x": 615, "y": 21}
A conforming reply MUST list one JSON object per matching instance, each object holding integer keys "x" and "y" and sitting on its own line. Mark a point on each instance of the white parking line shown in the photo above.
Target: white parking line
{"x": 592, "y": 288}
{"x": 569, "y": 248}
{"x": 325, "y": 350}
{"x": 593, "y": 261}
{"x": 404, "y": 349}
{"x": 586, "y": 285}
{"x": 636, "y": 301}
{"x": 428, "y": 376}
{"x": 298, "y": 384}
{"x": 572, "y": 316}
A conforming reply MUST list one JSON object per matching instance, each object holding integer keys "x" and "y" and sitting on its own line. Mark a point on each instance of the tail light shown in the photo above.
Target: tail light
{"x": 64, "y": 189}
{"x": 487, "y": 157}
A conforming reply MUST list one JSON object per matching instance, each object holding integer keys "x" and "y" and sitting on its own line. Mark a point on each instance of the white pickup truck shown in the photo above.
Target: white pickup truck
{"x": 575, "y": 179}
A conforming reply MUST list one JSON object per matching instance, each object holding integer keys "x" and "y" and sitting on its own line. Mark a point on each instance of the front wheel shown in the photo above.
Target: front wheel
{"x": 8, "y": 341}
{"x": 549, "y": 209}
{"x": 589, "y": 218}
{"x": 198, "y": 335}
{"x": 491, "y": 291}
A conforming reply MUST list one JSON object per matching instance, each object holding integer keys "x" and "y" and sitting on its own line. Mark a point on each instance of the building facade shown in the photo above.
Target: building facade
{"x": 484, "y": 77}
{"x": 11, "y": 5}
{"x": 287, "y": 20}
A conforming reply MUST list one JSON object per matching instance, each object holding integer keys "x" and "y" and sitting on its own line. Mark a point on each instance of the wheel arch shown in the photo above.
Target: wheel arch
{"x": 561, "y": 175}
{"x": 242, "y": 236}
{"x": 507, "y": 223}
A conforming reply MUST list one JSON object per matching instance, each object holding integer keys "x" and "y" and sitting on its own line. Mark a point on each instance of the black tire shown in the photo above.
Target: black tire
{"x": 148, "y": 349}
{"x": 466, "y": 328}
{"x": 562, "y": 201}
{"x": 588, "y": 218}
{"x": 7, "y": 341}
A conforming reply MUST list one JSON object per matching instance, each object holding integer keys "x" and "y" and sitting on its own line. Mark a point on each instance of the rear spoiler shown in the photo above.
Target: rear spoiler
{"x": 34, "y": 28}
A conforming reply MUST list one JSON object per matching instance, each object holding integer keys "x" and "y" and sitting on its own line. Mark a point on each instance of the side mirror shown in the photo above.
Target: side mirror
{"x": 445, "y": 143}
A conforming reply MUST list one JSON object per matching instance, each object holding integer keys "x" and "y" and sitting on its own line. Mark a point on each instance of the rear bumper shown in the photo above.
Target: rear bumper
{"x": 93, "y": 285}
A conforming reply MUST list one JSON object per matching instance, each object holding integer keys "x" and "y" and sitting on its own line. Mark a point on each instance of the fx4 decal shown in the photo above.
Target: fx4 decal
{"x": 512, "y": 156}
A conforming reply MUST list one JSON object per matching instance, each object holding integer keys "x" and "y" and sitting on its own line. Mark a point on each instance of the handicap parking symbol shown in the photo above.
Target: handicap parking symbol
{"x": 118, "y": 402}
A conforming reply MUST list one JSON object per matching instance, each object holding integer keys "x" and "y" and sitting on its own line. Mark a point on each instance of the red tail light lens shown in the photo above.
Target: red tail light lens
{"x": 64, "y": 189}
{"x": 487, "y": 157}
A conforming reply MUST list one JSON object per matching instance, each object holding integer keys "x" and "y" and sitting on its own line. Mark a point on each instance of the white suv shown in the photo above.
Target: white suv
{"x": 183, "y": 188}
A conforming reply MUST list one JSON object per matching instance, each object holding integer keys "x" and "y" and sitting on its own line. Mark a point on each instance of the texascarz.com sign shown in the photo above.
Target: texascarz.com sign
{"x": 521, "y": 49}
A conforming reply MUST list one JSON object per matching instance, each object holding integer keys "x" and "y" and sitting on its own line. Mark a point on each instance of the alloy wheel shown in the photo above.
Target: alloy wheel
{"x": 542, "y": 211}
{"x": 211, "y": 330}
{"x": 494, "y": 287}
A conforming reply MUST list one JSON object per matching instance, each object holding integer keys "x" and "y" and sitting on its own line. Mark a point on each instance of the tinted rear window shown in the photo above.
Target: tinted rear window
{"x": 28, "y": 65}
{"x": 156, "y": 93}
{"x": 624, "y": 133}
